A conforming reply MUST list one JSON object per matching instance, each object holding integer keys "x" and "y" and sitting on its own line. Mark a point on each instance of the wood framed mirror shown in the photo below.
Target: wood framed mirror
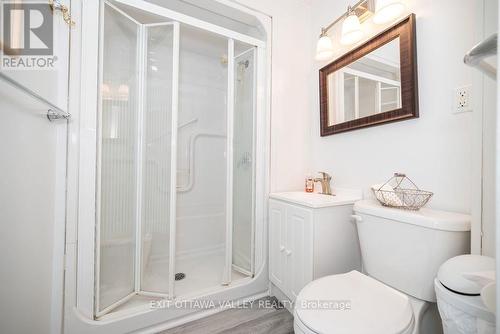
{"x": 373, "y": 84}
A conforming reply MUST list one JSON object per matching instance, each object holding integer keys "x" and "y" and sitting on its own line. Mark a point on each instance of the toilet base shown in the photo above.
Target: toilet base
{"x": 426, "y": 315}
{"x": 427, "y": 320}
{"x": 300, "y": 328}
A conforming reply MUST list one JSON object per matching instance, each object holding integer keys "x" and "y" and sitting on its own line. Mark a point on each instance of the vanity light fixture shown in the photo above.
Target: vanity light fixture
{"x": 324, "y": 48}
{"x": 387, "y": 10}
{"x": 351, "y": 28}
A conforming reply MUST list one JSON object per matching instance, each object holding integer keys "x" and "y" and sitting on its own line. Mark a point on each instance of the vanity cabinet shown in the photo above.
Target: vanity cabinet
{"x": 290, "y": 248}
{"x": 310, "y": 236}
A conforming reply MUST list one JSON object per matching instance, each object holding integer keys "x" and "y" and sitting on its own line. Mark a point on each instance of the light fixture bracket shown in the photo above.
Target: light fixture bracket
{"x": 363, "y": 9}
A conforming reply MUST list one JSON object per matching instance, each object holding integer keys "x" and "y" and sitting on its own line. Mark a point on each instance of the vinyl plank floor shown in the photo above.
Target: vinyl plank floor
{"x": 254, "y": 320}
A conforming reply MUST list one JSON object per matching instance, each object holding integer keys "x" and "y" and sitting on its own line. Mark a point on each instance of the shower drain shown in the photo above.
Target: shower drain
{"x": 179, "y": 276}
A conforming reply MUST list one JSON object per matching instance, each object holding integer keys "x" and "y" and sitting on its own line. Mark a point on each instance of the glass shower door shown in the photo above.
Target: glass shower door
{"x": 136, "y": 159}
{"x": 117, "y": 159}
{"x": 243, "y": 159}
{"x": 157, "y": 196}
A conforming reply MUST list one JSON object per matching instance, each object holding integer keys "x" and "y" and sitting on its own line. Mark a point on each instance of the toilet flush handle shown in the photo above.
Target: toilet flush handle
{"x": 357, "y": 218}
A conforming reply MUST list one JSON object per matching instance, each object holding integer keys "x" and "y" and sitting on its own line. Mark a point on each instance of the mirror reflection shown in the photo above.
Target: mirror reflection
{"x": 368, "y": 86}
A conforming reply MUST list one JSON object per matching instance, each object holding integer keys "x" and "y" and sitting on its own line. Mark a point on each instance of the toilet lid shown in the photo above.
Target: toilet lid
{"x": 451, "y": 273}
{"x": 353, "y": 303}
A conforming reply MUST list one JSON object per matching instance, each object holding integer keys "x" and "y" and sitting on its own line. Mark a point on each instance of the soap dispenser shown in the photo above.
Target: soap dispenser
{"x": 309, "y": 184}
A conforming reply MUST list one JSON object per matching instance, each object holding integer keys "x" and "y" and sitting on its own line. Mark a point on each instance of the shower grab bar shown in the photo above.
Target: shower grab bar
{"x": 190, "y": 171}
{"x": 475, "y": 57}
{"x": 53, "y": 113}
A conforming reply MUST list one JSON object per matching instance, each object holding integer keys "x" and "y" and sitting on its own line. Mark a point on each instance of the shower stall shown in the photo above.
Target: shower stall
{"x": 177, "y": 156}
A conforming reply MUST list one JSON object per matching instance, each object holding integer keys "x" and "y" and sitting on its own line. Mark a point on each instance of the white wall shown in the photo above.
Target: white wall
{"x": 28, "y": 214}
{"x": 435, "y": 150}
{"x": 32, "y": 190}
{"x": 290, "y": 119}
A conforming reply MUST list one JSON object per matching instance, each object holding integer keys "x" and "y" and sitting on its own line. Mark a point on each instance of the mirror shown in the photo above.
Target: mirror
{"x": 373, "y": 84}
{"x": 368, "y": 86}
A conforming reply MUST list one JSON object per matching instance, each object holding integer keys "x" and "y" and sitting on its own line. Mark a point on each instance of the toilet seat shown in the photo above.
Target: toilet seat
{"x": 352, "y": 303}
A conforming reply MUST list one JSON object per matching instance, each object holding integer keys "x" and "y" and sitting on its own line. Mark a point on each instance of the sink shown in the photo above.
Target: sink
{"x": 314, "y": 200}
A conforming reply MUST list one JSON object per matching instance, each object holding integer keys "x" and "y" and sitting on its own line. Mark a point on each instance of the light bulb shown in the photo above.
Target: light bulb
{"x": 105, "y": 91}
{"x": 351, "y": 30}
{"x": 123, "y": 90}
{"x": 387, "y": 10}
{"x": 324, "y": 48}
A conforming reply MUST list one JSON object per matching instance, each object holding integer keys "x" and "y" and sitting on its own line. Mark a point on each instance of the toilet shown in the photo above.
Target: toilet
{"x": 401, "y": 252}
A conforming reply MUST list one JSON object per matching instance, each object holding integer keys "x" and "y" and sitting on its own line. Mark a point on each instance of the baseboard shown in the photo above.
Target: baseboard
{"x": 274, "y": 291}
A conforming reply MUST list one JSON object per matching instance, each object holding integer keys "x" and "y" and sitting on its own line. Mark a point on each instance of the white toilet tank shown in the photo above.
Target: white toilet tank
{"x": 404, "y": 248}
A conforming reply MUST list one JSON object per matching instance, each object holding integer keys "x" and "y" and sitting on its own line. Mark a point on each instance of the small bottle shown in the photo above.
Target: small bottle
{"x": 309, "y": 184}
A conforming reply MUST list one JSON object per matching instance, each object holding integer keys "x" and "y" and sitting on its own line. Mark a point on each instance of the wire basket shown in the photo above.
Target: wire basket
{"x": 400, "y": 192}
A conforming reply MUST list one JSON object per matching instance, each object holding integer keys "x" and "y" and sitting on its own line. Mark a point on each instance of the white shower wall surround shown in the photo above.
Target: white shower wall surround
{"x": 181, "y": 158}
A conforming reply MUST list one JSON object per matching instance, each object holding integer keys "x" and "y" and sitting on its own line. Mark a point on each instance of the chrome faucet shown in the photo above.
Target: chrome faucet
{"x": 325, "y": 183}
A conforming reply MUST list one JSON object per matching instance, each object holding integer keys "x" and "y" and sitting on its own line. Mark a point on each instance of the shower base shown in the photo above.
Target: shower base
{"x": 203, "y": 275}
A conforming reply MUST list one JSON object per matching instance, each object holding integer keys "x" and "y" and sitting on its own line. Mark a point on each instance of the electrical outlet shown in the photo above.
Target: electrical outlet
{"x": 462, "y": 99}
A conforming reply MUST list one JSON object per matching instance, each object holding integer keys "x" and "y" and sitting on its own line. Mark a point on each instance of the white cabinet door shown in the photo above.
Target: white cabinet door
{"x": 299, "y": 250}
{"x": 290, "y": 247}
{"x": 277, "y": 239}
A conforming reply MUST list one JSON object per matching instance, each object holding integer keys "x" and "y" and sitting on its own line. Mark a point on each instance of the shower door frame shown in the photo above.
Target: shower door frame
{"x": 260, "y": 172}
{"x": 142, "y": 50}
{"x": 235, "y": 267}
